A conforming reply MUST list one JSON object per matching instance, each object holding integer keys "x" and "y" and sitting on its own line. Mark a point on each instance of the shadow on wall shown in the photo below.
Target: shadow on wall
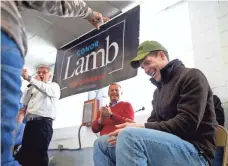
{"x": 83, "y": 157}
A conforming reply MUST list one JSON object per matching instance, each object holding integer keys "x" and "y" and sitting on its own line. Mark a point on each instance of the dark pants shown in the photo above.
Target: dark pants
{"x": 36, "y": 139}
{"x": 218, "y": 156}
{"x": 16, "y": 150}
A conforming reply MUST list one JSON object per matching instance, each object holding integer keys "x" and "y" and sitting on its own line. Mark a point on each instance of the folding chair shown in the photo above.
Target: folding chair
{"x": 222, "y": 141}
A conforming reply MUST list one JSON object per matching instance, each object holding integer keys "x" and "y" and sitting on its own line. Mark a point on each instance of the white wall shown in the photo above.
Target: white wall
{"x": 171, "y": 28}
{"x": 69, "y": 111}
{"x": 209, "y": 27}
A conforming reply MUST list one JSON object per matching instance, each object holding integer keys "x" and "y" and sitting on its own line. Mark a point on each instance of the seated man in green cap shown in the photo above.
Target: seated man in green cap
{"x": 182, "y": 127}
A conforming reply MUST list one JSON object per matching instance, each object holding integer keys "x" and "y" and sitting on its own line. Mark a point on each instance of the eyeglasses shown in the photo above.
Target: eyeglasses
{"x": 41, "y": 72}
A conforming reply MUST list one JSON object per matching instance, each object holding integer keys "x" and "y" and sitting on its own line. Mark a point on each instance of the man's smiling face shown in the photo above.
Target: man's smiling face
{"x": 153, "y": 63}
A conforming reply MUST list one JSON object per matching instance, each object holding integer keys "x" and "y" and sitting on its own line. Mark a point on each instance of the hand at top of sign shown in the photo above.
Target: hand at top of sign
{"x": 106, "y": 111}
{"x": 97, "y": 19}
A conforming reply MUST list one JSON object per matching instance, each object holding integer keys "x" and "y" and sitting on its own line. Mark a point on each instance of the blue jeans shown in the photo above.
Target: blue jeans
{"x": 218, "y": 156}
{"x": 146, "y": 147}
{"x": 11, "y": 66}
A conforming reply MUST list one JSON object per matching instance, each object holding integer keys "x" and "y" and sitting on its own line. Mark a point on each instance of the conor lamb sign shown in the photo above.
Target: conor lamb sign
{"x": 100, "y": 57}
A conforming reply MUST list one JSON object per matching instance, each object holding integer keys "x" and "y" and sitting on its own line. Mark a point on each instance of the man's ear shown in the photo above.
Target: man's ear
{"x": 162, "y": 54}
{"x": 50, "y": 76}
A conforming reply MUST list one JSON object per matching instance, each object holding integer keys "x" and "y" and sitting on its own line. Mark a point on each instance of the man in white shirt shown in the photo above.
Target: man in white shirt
{"x": 40, "y": 97}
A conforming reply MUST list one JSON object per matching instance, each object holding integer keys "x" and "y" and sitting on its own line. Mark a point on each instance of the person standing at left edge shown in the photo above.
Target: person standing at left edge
{"x": 41, "y": 98}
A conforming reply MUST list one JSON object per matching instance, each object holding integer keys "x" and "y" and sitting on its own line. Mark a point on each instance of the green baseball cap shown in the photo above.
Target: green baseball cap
{"x": 144, "y": 49}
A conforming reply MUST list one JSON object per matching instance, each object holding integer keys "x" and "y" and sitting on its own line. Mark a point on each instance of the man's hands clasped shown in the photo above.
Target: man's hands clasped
{"x": 129, "y": 123}
{"x": 105, "y": 112}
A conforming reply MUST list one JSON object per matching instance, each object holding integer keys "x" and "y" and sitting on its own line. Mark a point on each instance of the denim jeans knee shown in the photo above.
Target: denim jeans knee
{"x": 104, "y": 154}
{"x": 101, "y": 142}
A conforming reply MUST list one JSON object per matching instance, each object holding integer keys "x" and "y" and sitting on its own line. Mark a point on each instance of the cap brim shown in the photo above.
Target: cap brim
{"x": 135, "y": 63}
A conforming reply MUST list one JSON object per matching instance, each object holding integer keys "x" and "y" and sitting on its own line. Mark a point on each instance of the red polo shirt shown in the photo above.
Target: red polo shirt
{"x": 120, "y": 111}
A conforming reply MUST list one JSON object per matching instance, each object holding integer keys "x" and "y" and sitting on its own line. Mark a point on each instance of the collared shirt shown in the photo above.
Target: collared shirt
{"x": 112, "y": 104}
{"x": 41, "y": 98}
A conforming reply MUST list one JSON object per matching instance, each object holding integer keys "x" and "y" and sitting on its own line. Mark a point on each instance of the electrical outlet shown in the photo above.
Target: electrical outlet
{"x": 60, "y": 146}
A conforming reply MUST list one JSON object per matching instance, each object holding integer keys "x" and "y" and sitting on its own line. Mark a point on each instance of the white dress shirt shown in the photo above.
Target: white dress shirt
{"x": 41, "y": 98}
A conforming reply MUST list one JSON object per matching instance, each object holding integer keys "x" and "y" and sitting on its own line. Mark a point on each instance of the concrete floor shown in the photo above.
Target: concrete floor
{"x": 83, "y": 157}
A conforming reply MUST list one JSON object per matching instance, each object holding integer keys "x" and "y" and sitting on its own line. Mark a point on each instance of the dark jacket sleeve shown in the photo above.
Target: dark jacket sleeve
{"x": 191, "y": 106}
{"x": 219, "y": 111}
{"x": 152, "y": 117}
{"x": 75, "y": 8}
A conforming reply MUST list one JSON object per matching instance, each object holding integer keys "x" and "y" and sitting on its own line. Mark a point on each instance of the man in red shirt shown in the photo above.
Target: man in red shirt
{"x": 117, "y": 112}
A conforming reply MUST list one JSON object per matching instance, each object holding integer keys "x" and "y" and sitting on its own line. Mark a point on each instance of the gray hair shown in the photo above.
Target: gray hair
{"x": 43, "y": 66}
